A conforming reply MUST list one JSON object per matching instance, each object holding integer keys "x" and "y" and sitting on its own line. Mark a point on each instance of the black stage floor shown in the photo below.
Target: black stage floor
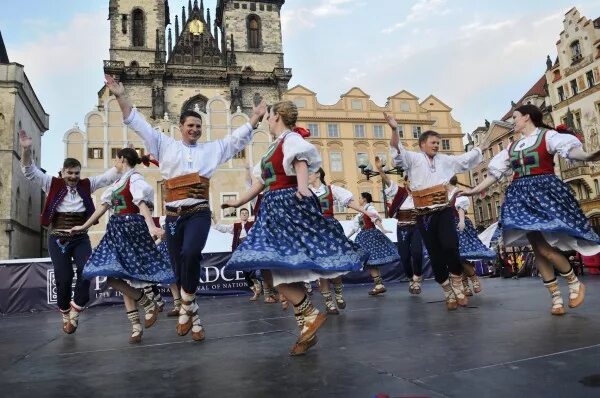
{"x": 506, "y": 344}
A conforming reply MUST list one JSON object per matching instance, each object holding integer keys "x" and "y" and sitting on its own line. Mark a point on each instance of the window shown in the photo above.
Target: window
{"x": 574, "y": 87}
{"x": 314, "y": 129}
{"x": 589, "y": 76}
{"x": 300, "y": 102}
{"x": 378, "y": 131}
{"x": 597, "y": 186}
{"x": 356, "y": 105}
{"x": 114, "y": 152}
{"x": 445, "y": 145}
{"x": 124, "y": 23}
{"x": 95, "y": 153}
{"x": 491, "y": 151}
{"x": 332, "y": 130}
{"x": 382, "y": 156}
{"x": 476, "y": 179}
{"x": 335, "y": 161}
{"x": 228, "y": 212}
{"x": 511, "y": 139}
{"x": 137, "y": 35}
{"x": 561, "y": 93}
{"x": 240, "y": 155}
{"x": 253, "y": 32}
{"x": 497, "y": 208}
{"x": 480, "y": 211}
{"x": 404, "y": 106}
{"x": 359, "y": 131}
{"x": 362, "y": 158}
{"x": 500, "y": 147}
{"x": 576, "y": 51}
{"x": 401, "y": 131}
{"x": 140, "y": 151}
{"x": 416, "y": 130}
{"x": 489, "y": 209}
{"x": 338, "y": 207}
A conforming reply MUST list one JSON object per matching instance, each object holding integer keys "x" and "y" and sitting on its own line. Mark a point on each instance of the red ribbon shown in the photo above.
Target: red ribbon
{"x": 305, "y": 133}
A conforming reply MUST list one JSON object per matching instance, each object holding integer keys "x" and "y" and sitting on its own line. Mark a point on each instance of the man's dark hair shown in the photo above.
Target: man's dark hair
{"x": 70, "y": 163}
{"x": 244, "y": 209}
{"x": 429, "y": 133}
{"x": 186, "y": 114}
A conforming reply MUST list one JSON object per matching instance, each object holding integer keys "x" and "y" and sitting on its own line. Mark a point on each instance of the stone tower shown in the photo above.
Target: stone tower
{"x": 169, "y": 63}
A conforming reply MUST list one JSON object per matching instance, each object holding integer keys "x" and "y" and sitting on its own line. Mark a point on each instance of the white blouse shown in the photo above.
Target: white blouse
{"x": 139, "y": 188}
{"x": 462, "y": 202}
{"x": 177, "y": 158}
{"x": 556, "y": 142}
{"x": 294, "y": 148}
{"x": 341, "y": 195}
{"x": 369, "y": 208}
{"x": 424, "y": 172}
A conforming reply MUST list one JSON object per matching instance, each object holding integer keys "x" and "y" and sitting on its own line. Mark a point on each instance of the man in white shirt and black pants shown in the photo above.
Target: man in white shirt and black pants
{"x": 429, "y": 173}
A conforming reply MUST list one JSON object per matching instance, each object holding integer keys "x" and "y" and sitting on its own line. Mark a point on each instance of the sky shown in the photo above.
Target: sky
{"x": 476, "y": 56}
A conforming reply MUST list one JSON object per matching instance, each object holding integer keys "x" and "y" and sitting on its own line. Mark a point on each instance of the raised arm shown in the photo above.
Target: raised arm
{"x": 30, "y": 170}
{"x": 235, "y": 142}
{"x": 117, "y": 89}
{"x": 461, "y": 219}
{"x": 401, "y": 157}
{"x": 384, "y": 177}
{"x": 253, "y": 192}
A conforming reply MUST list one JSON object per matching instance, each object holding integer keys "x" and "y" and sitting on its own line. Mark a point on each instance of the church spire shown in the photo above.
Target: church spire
{"x": 170, "y": 45}
{"x": 208, "y": 20}
{"x": 176, "y": 26}
{"x": 183, "y": 18}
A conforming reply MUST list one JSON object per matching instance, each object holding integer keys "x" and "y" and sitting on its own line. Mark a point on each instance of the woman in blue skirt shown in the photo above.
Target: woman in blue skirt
{"x": 539, "y": 209}
{"x": 470, "y": 247}
{"x": 380, "y": 248}
{"x": 290, "y": 236}
{"x": 127, "y": 254}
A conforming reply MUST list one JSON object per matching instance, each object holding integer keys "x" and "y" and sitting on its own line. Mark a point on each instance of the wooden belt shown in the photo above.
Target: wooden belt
{"x": 406, "y": 216}
{"x": 185, "y": 210}
{"x": 187, "y": 186}
{"x": 67, "y": 221}
{"x": 433, "y": 196}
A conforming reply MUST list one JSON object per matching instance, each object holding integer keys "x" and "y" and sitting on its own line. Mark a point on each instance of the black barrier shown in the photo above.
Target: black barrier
{"x": 31, "y": 286}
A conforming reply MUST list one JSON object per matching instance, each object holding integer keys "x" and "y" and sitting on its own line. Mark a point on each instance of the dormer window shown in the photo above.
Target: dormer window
{"x": 576, "y": 51}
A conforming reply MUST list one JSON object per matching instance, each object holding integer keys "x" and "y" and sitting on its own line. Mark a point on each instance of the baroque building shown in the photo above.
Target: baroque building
{"x": 21, "y": 235}
{"x": 353, "y": 131}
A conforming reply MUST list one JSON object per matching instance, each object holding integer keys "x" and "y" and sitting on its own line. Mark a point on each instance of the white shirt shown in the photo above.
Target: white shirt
{"x": 294, "y": 148}
{"x": 462, "y": 202}
{"x": 424, "y": 172}
{"x": 177, "y": 158}
{"x": 499, "y": 166}
{"x": 228, "y": 229}
{"x": 72, "y": 202}
{"x": 392, "y": 190}
{"x": 139, "y": 188}
{"x": 341, "y": 195}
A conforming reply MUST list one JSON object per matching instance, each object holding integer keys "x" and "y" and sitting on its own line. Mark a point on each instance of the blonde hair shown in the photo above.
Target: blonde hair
{"x": 288, "y": 112}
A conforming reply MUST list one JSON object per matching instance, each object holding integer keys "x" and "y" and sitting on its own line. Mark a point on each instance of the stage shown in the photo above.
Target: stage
{"x": 505, "y": 344}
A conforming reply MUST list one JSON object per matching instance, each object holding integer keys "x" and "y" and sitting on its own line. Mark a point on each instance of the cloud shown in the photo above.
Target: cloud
{"x": 294, "y": 20}
{"x": 421, "y": 10}
{"x": 354, "y": 75}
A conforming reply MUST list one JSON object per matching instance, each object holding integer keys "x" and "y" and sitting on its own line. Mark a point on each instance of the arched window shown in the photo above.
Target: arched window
{"x": 137, "y": 34}
{"x": 254, "y": 34}
{"x": 575, "y": 51}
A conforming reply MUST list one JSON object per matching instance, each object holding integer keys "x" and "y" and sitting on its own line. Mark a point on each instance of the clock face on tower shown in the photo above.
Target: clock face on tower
{"x": 196, "y": 27}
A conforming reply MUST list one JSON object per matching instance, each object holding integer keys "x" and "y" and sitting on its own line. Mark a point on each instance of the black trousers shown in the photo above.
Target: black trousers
{"x": 438, "y": 230}
{"x": 63, "y": 253}
{"x": 186, "y": 238}
{"x": 410, "y": 249}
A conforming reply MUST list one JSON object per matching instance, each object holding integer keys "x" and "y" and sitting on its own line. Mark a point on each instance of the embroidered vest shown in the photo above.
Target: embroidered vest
{"x": 273, "y": 173}
{"x": 534, "y": 160}
{"x": 326, "y": 202}
{"x": 237, "y": 230}
{"x": 122, "y": 200}
{"x": 366, "y": 222}
{"x": 57, "y": 192}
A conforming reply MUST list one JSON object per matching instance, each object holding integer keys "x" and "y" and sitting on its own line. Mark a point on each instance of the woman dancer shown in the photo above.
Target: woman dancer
{"x": 470, "y": 246}
{"x": 380, "y": 249}
{"x": 327, "y": 194}
{"x": 127, "y": 250}
{"x": 290, "y": 236}
{"x": 539, "y": 208}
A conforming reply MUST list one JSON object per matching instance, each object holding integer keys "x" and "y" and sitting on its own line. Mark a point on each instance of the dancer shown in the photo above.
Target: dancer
{"x": 410, "y": 245}
{"x": 539, "y": 209}
{"x": 187, "y": 166}
{"x": 470, "y": 246}
{"x": 240, "y": 230}
{"x": 68, "y": 203}
{"x": 327, "y": 194}
{"x": 290, "y": 236}
{"x": 428, "y": 173}
{"x": 371, "y": 238}
{"x": 127, "y": 250}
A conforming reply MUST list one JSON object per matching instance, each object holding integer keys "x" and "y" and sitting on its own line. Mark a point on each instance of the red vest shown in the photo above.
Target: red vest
{"x": 366, "y": 222}
{"x": 326, "y": 202}
{"x": 58, "y": 191}
{"x": 273, "y": 173}
{"x": 534, "y": 160}
{"x": 122, "y": 200}
{"x": 237, "y": 230}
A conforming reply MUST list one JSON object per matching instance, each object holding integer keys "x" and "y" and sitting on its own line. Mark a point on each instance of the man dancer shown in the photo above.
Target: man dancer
{"x": 410, "y": 245}
{"x": 240, "y": 230}
{"x": 186, "y": 166}
{"x": 68, "y": 203}
{"x": 429, "y": 173}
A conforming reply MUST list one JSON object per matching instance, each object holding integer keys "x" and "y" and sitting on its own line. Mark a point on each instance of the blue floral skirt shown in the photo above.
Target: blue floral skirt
{"x": 381, "y": 250}
{"x": 469, "y": 244}
{"x": 127, "y": 251}
{"x": 544, "y": 203}
{"x": 292, "y": 234}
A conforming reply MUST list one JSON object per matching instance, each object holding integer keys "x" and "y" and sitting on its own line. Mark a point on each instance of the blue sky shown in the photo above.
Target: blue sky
{"x": 476, "y": 56}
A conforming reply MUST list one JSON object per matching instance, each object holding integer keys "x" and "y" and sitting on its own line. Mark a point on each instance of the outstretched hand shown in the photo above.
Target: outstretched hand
{"x": 116, "y": 88}
{"x": 395, "y": 140}
{"x": 260, "y": 109}
{"x": 24, "y": 140}
{"x": 378, "y": 164}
